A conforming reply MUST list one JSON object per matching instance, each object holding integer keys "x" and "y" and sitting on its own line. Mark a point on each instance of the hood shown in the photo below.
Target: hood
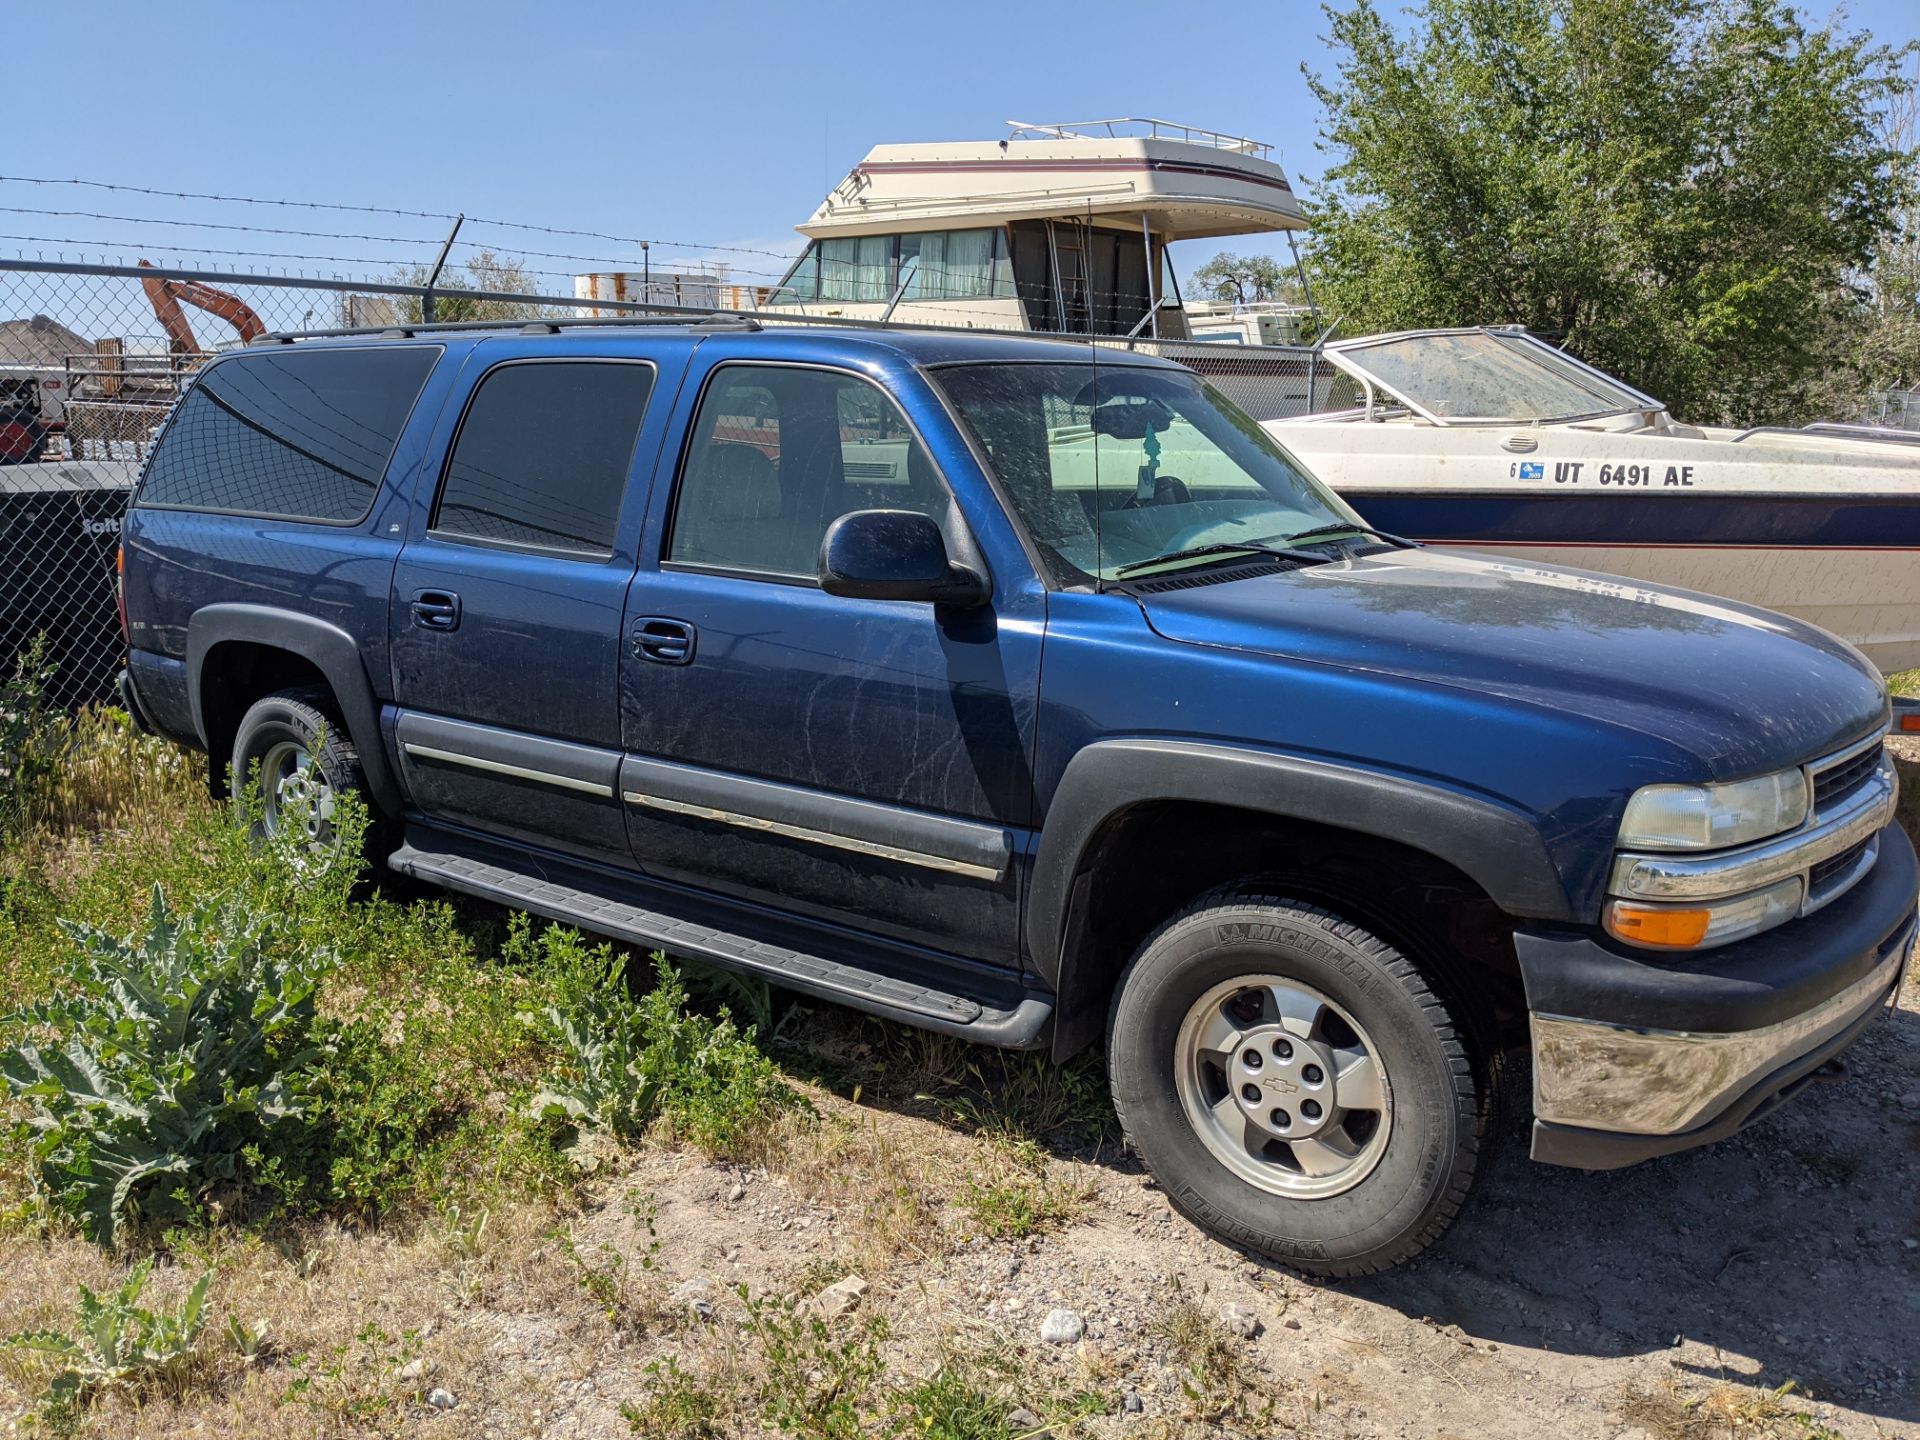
{"x": 1742, "y": 690}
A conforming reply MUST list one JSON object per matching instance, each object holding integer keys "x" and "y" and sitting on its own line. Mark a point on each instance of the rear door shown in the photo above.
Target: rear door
{"x": 507, "y": 597}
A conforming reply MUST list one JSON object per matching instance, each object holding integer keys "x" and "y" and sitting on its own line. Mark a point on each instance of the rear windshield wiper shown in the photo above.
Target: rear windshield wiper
{"x": 1198, "y": 552}
{"x": 1347, "y": 528}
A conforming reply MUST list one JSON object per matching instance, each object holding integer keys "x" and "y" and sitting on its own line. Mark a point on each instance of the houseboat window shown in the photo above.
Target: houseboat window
{"x": 867, "y": 269}
{"x": 856, "y": 269}
{"x": 955, "y": 265}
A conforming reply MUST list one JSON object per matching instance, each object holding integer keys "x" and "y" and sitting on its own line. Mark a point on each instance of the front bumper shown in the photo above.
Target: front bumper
{"x": 1636, "y": 1055}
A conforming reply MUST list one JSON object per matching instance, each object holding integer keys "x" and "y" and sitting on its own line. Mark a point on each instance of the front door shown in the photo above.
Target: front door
{"x": 507, "y": 600}
{"x": 861, "y": 761}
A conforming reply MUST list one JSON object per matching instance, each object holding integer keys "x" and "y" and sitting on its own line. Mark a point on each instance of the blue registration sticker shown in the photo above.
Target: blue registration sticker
{"x": 1533, "y": 469}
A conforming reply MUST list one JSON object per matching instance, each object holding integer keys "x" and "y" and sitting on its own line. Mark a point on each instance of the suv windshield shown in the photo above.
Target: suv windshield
{"x": 1486, "y": 375}
{"x": 1110, "y": 466}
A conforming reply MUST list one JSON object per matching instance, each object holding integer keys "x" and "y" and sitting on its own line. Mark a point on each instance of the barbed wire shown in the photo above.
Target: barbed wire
{"x": 389, "y": 265}
{"x": 623, "y": 261}
{"x": 244, "y": 254}
{"x": 930, "y": 276}
{"x": 388, "y": 210}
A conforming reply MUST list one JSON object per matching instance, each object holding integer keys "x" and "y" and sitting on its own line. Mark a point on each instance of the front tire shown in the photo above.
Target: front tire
{"x": 1295, "y": 1085}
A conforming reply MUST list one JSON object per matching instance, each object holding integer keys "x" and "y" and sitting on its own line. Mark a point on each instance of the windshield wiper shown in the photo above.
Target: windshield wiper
{"x": 1344, "y": 528}
{"x": 1197, "y": 552}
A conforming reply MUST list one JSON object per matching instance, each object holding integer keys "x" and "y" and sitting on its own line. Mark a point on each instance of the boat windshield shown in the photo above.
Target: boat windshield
{"x": 1114, "y": 469}
{"x": 1486, "y": 375}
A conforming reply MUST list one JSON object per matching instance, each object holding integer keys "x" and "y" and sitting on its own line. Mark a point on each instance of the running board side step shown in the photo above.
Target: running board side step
{"x": 580, "y": 895}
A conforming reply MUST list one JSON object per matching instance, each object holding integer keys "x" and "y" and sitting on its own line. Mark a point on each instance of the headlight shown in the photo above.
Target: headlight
{"x": 1711, "y": 817}
{"x": 1704, "y": 925}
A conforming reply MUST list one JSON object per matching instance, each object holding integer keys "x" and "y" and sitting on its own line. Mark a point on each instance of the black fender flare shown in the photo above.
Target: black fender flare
{"x": 331, "y": 650}
{"x": 1497, "y": 847}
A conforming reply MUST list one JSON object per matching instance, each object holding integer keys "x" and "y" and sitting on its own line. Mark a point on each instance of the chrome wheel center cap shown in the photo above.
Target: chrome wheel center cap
{"x": 1283, "y": 1084}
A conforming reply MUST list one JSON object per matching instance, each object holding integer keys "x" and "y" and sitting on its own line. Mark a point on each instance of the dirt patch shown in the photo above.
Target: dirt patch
{"x": 1674, "y": 1300}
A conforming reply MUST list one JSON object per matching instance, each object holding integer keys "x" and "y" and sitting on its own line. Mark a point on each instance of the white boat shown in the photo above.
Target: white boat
{"x": 1057, "y": 228}
{"x": 1491, "y": 440}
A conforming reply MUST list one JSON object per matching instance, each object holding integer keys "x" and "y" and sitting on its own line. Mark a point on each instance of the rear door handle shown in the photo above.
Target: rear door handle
{"x": 436, "y": 610}
{"x": 663, "y": 639}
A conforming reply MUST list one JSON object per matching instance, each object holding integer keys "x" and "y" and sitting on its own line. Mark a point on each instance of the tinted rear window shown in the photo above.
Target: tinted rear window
{"x": 543, "y": 455}
{"x": 299, "y": 434}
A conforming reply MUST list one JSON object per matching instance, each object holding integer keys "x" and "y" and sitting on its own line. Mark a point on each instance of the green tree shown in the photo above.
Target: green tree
{"x": 1245, "y": 279}
{"x": 501, "y": 274}
{"x": 1887, "y": 358}
{"x": 1690, "y": 193}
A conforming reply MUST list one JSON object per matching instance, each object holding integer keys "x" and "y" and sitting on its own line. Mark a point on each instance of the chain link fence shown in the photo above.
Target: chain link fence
{"x": 94, "y": 357}
{"x": 92, "y": 360}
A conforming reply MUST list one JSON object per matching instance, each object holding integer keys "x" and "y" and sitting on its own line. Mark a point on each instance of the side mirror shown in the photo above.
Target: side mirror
{"x": 894, "y": 555}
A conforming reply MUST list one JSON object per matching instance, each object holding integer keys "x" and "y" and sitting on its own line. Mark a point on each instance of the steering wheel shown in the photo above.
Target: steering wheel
{"x": 1167, "y": 490}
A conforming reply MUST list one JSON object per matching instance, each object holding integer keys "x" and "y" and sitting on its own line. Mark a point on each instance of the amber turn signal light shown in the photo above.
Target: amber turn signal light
{"x": 1910, "y": 723}
{"x": 1650, "y": 925}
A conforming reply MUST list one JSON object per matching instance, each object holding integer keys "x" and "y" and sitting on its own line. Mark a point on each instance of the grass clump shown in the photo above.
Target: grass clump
{"x": 1725, "y": 1412}
{"x": 951, "y": 1405}
{"x": 61, "y": 772}
{"x": 1218, "y": 1383}
{"x": 1022, "y": 1197}
{"x": 627, "y": 1063}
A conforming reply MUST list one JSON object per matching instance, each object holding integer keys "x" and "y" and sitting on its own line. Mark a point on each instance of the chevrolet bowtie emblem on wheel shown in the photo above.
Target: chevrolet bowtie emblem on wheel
{"x": 1279, "y": 1085}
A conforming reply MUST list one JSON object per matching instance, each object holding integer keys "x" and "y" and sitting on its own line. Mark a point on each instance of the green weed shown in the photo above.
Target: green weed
{"x": 678, "y": 1405}
{"x": 167, "y": 1057}
{"x": 121, "y": 1343}
{"x": 817, "y": 1383}
{"x": 949, "y": 1405}
{"x": 629, "y": 1302}
{"x": 33, "y": 739}
{"x": 627, "y": 1061}
{"x": 1021, "y": 1199}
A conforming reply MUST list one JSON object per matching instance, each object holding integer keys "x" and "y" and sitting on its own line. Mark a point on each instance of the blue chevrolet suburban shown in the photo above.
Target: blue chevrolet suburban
{"x": 1030, "y": 693}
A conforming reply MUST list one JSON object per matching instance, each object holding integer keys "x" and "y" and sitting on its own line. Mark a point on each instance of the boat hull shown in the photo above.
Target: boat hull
{"x": 1847, "y": 563}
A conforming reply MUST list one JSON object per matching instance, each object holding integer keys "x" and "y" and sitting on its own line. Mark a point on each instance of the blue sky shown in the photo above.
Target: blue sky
{"x": 716, "y": 124}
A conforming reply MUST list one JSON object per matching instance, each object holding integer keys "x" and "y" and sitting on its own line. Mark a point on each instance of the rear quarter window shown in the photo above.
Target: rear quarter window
{"x": 288, "y": 433}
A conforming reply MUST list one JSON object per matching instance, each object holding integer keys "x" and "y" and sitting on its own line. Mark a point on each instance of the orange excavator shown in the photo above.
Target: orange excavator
{"x": 166, "y": 296}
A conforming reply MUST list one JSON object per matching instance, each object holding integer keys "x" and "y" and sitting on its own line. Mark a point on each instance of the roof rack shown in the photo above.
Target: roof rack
{"x": 706, "y": 320}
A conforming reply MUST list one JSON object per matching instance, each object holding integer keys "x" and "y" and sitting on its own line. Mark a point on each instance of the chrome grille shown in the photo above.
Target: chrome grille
{"x": 1837, "y": 874}
{"x": 1835, "y": 864}
{"x": 1843, "y": 775}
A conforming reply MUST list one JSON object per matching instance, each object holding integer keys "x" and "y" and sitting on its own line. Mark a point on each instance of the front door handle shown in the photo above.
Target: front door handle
{"x": 436, "y": 610}
{"x": 663, "y": 639}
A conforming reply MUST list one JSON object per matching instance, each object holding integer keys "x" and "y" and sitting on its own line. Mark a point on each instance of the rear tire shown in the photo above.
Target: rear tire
{"x": 1295, "y": 1085}
{"x": 295, "y": 748}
